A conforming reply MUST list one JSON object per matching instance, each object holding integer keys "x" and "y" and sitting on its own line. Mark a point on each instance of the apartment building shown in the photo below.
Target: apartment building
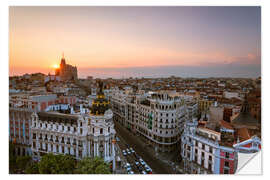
{"x": 157, "y": 116}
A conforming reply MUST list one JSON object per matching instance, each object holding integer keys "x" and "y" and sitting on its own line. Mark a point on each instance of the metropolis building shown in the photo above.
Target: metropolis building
{"x": 158, "y": 117}
{"x": 85, "y": 134}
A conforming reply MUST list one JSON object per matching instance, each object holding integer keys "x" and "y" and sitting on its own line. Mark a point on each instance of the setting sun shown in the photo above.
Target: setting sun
{"x": 55, "y": 66}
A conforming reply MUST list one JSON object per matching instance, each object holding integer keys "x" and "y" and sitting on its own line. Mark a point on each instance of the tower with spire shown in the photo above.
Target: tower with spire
{"x": 65, "y": 71}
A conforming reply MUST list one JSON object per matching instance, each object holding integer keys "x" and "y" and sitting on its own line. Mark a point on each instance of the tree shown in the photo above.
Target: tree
{"x": 32, "y": 168}
{"x": 93, "y": 166}
{"x": 12, "y": 158}
{"x": 56, "y": 164}
{"x": 23, "y": 161}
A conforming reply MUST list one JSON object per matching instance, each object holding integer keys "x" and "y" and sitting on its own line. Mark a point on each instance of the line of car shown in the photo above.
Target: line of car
{"x": 139, "y": 163}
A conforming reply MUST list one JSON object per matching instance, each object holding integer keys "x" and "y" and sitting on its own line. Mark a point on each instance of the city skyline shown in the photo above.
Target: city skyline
{"x": 137, "y": 41}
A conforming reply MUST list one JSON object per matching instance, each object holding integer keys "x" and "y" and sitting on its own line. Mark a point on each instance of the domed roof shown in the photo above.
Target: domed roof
{"x": 100, "y": 104}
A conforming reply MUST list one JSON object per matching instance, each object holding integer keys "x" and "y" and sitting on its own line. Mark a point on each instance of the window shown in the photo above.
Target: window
{"x": 226, "y": 164}
{"x": 196, "y": 143}
{"x": 196, "y": 151}
{"x": 101, "y": 131}
{"x": 81, "y": 130}
{"x": 226, "y": 171}
{"x": 227, "y": 155}
{"x": 93, "y": 130}
{"x": 34, "y": 135}
{"x": 209, "y": 166}
{"x": 210, "y": 158}
{"x": 210, "y": 149}
{"x": 203, "y": 146}
{"x": 109, "y": 129}
{"x": 68, "y": 128}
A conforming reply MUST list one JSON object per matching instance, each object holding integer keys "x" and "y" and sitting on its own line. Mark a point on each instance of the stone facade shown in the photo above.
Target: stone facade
{"x": 159, "y": 118}
{"x": 80, "y": 135}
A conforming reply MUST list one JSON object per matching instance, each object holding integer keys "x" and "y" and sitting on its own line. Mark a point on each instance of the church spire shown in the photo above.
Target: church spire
{"x": 63, "y": 61}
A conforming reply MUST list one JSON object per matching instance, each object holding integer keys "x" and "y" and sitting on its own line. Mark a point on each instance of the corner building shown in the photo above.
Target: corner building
{"x": 159, "y": 118}
{"x": 80, "y": 135}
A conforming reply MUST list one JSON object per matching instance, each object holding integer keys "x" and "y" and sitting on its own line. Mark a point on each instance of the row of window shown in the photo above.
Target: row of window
{"x": 58, "y": 150}
{"x": 57, "y": 139}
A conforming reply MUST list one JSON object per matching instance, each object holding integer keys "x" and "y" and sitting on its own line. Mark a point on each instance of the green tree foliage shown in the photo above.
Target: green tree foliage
{"x": 93, "y": 166}
{"x": 23, "y": 162}
{"x": 32, "y": 168}
{"x": 12, "y": 158}
{"x": 56, "y": 164}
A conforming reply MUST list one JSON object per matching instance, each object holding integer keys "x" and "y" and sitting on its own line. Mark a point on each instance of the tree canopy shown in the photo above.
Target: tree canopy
{"x": 56, "y": 164}
{"x": 93, "y": 166}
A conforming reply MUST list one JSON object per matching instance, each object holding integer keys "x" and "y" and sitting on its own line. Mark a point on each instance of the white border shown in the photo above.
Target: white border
{"x": 4, "y": 67}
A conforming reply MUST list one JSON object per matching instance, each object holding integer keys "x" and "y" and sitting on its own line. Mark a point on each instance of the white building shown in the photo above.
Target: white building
{"x": 78, "y": 134}
{"x": 159, "y": 116}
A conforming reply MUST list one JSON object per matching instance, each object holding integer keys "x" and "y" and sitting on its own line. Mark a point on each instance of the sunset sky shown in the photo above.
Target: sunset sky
{"x": 137, "y": 41}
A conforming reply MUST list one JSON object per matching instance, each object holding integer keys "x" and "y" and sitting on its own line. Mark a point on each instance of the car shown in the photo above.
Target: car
{"x": 140, "y": 168}
{"x": 142, "y": 162}
{"x": 128, "y": 151}
{"x": 137, "y": 163}
{"x": 127, "y": 165}
{"x": 124, "y": 152}
{"x": 130, "y": 172}
{"x": 148, "y": 169}
{"x": 143, "y": 172}
{"x": 131, "y": 150}
{"x": 146, "y": 166}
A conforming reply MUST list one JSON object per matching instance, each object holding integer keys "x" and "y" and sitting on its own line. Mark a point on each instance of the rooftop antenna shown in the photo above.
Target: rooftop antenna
{"x": 63, "y": 56}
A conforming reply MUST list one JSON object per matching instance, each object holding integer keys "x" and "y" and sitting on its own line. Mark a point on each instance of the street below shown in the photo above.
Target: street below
{"x": 142, "y": 150}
